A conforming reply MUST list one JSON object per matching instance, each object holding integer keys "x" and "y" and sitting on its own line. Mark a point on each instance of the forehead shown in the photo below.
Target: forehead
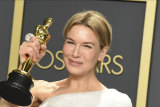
{"x": 82, "y": 32}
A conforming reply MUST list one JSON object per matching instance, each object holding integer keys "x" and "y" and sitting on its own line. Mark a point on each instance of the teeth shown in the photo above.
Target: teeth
{"x": 75, "y": 63}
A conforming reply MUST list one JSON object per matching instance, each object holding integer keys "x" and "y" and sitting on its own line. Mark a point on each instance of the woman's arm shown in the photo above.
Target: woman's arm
{"x": 35, "y": 51}
{"x": 5, "y": 103}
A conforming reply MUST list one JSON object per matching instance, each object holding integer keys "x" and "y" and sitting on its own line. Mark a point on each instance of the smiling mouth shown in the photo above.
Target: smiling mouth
{"x": 75, "y": 63}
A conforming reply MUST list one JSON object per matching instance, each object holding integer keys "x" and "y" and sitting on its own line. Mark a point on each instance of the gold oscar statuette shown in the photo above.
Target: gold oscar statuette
{"x": 17, "y": 88}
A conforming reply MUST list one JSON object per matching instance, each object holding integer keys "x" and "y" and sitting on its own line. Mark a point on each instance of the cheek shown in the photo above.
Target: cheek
{"x": 91, "y": 55}
{"x": 66, "y": 50}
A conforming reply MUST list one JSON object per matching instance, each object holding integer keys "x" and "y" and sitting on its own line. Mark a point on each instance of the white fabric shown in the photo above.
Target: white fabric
{"x": 104, "y": 98}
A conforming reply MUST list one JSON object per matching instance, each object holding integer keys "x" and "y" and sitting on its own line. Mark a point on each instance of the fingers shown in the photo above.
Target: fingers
{"x": 43, "y": 49}
{"x": 25, "y": 52}
{"x": 32, "y": 49}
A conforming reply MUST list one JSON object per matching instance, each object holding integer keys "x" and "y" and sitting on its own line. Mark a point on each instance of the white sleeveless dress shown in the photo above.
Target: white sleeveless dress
{"x": 104, "y": 98}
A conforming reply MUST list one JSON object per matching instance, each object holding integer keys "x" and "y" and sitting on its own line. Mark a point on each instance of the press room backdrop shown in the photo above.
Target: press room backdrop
{"x": 130, "y": 66}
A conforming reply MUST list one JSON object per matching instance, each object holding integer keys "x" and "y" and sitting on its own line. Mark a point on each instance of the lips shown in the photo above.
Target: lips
{"x": 75, "y": 63}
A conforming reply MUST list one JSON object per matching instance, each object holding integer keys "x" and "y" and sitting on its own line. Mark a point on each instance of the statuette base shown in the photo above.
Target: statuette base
{"x": 17, "y": 89}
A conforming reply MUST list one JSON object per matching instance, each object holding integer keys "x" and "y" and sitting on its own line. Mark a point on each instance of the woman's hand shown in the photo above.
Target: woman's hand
{"x": 33, "y": 50}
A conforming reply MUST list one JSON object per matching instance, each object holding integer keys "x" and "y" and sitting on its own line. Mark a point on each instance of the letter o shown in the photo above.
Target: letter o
{"x": 51, "y": 63}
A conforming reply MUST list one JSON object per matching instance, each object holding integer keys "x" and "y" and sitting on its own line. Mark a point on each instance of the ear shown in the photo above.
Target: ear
{"x": 103, "y": 53}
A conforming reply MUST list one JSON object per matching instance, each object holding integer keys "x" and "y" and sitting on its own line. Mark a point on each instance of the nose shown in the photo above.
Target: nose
{"x": 76, "y": 52}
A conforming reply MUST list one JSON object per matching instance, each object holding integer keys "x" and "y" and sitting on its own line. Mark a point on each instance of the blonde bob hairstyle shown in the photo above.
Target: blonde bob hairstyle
{"x": 94, "y": 20}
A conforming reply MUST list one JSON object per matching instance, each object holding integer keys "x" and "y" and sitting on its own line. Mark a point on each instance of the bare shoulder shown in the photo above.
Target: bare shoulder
{"x": 38, "y": 83}
{"x": 46, "y": 84}
{"x": 42, "y": 89}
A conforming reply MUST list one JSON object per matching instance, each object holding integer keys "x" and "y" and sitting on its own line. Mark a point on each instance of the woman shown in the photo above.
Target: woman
{"x": 88, "y": 37}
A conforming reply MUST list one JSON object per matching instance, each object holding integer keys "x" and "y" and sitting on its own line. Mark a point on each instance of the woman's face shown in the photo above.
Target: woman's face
{"x": 81, "y": 50}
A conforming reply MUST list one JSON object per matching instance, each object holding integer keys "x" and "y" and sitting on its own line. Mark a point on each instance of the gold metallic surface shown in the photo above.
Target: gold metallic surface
{"x": 27, "y": 65}
{"x": 41, "y": 32}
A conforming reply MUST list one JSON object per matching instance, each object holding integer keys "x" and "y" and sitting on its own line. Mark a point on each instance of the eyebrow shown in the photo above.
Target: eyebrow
{"x": 83, "y": 42}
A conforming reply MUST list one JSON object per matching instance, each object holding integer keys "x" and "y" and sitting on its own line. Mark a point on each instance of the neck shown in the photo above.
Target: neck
{"x": 83, "y": 83}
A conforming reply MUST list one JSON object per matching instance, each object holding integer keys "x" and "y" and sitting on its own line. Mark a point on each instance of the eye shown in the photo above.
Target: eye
{"x": 70, "y": 42}
{"x": 87, "y": 46}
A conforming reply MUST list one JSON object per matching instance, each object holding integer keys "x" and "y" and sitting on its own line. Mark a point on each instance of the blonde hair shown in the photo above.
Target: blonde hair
{"x": 94, "y": 20}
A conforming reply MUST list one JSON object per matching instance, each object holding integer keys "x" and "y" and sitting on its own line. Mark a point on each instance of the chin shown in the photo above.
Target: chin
{"x": 75, "y": 70}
